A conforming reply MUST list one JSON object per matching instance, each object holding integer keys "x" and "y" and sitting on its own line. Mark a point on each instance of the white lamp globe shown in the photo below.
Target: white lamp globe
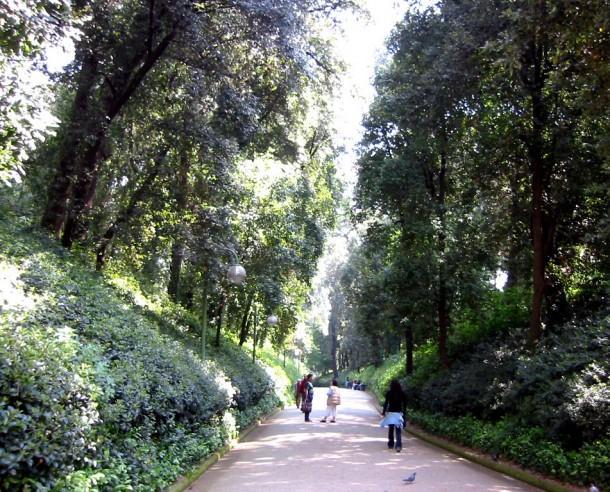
{"x": 236, "y": 274}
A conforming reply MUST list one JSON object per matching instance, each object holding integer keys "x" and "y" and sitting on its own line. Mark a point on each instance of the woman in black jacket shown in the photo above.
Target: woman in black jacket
{"x": 394, "y": 412}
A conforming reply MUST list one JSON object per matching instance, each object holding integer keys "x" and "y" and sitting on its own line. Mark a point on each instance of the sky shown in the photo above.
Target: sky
{"x": 361, "y": 46}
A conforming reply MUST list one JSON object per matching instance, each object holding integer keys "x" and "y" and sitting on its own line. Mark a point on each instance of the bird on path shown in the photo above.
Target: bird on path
{"x": 410, "y": 478}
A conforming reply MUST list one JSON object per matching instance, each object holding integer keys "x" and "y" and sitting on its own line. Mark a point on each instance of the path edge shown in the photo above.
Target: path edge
{"x": 505, "y": 468}
{"x": 186, "y": 480}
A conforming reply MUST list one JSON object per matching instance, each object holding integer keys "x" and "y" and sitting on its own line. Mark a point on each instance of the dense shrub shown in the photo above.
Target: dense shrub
{"x": 251, "y": 381}
{"x": 562, "y": 388}
{"x": 549, "y": 411}
{"x": 92, "y": 395}
{"x": 47, "y": 407}
{"x": 498, "y": 312}
{"x": 528, "y": 446}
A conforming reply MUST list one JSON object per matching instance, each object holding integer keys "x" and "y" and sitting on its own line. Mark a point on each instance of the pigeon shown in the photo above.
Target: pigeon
{"x": 410, "y": 478}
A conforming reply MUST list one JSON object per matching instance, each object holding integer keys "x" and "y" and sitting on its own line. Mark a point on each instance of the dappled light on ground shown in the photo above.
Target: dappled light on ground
{"x": 286, "y": 453}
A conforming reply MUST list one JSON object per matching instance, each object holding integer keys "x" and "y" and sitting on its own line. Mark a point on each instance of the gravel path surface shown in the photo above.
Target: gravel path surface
{"x": 287, "y": 454}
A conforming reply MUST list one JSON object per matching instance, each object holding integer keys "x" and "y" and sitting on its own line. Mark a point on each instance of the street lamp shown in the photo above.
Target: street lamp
{"x": 236, "y": 274}
{"x": 272, "y": 320}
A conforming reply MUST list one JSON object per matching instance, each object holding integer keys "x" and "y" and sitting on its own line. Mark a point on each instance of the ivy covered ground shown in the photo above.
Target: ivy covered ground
{"x": 92, "y": 394}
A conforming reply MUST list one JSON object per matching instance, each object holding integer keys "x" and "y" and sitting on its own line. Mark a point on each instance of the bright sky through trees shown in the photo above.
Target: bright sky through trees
{"x": 361, "y": 47}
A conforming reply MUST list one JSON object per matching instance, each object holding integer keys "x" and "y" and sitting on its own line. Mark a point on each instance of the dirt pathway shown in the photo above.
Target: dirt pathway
{"x": 286, "y": 454}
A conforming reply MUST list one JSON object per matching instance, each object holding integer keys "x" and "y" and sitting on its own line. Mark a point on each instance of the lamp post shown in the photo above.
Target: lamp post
{"x": 271, "y": 321}
{"x": 236, "y": 274}
{"x": 297, "y": 355}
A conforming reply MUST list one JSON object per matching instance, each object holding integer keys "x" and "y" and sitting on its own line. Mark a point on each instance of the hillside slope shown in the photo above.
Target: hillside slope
{"x": 92, "y": 394}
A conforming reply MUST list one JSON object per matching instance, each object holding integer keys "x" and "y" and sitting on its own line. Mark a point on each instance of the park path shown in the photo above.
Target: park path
{"x": 285, "y": 454}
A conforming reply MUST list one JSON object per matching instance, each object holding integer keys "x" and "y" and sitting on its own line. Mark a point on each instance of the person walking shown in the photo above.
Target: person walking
{"x": 307, "y": 403}
{"x": 333, "y": 398}
{"x": 300, "y": 391}
{"x": 394, "y": 412}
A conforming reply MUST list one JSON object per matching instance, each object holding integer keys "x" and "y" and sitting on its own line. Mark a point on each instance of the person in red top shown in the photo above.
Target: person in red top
{"x": 301, "y": 391}
{"x": 307, "y": 403}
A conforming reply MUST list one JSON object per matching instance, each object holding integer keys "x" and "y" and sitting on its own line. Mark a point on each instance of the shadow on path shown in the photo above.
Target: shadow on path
{"x": 287, "y": 454}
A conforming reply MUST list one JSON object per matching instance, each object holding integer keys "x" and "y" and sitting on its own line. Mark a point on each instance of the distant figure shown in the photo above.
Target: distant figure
{"x": 300, "y": 390}
{"x": 394, "y": 412}
{"x": 333, "y": 398}
{"x": 307, "y": 403}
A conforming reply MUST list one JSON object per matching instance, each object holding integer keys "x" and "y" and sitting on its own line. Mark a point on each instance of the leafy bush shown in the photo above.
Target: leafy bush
{"x": 47, "y": 407}
{"x": 528, "y": 446}
{"x": 250, "y": 380}
{"x": 497, "y": 313}
{"x": 92, "y": 395}
{"x": 549, "y": 411}
{"x": 562, "y": 388}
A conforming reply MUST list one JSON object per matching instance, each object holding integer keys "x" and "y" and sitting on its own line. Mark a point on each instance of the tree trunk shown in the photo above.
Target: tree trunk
{"x": 127, "y": 213}
{"x": 204, "y": 314}
{"x": 332, "y": 332}
{"x": 175, "y": 267}
{"x": 86, "y": 164}
{"x": 243, "y": 333}
{"x": 442, "y": 310}
{"x": 534, "y": 82}
{"x": 181, "y": 196}
{"x": 255, "y": 326}
{"x": 221, "y": 310}
{"x": 75, "y": 133}
{"x": 409, "y": 348}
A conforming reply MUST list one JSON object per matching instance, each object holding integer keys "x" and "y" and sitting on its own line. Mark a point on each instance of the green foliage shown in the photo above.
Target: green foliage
{"x": 47, "y": 405}
{"x": 251, "y": 381}
{"x": 528, "y": 446}
{"x": 497, "y": 313}
{"x": 283, "y": 373}
{"x": 547, "y": 411}
{"x": 94, "y": 397}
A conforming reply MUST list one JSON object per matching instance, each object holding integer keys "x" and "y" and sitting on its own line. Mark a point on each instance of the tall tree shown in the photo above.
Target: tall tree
{"x": 123, "y": 44}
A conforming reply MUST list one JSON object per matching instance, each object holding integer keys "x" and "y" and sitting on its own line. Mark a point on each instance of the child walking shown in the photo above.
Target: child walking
{"x": 333, "y": 398}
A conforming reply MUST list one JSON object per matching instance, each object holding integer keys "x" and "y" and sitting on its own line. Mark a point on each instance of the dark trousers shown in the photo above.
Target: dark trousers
{"x": 392, "y": 429}
{"x": 307, "y": 416}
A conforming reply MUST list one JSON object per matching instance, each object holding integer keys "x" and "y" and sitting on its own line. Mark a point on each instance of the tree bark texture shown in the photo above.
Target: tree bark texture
{"x": 442, "y": 309}
{"x": 73, "y": 187}
{"x": 243, "y": 332}
{"x": 333, "y": 328}
{"x": 74, "y": 134}
{"x": 409, "y": 348}
{"x": 533, "y": 78}
{"x": 220, "y": 318}
{"x": 127, "y": 213}
{"x": 181, "y": 197}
